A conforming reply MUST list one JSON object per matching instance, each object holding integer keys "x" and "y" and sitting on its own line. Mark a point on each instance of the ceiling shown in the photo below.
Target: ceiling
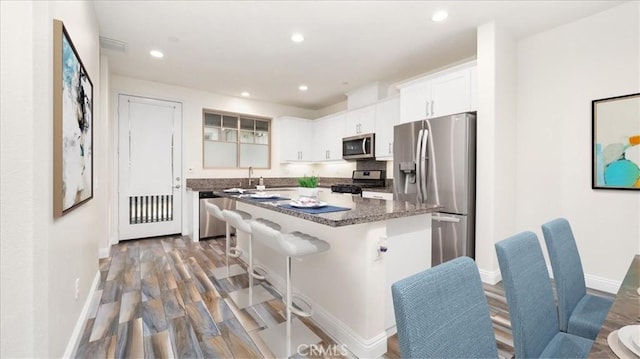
{"x": 228, "y": 47}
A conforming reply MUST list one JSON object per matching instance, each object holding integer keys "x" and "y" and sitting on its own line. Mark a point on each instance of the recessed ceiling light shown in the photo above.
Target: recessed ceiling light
{"x": 303, "y": 88}
{"x": 439, "y": 16}
{"x": 245, "y": 94}
{"x": 297, "y": 37}
{"x": 156, "y": 53}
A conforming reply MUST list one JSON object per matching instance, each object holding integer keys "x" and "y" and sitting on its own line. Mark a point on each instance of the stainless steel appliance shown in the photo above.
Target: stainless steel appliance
{"x": 361, "y": 179}
{"x": 359, "y": 147}
{"x": 210, "y": 226}
{"x": 434, "y": 162}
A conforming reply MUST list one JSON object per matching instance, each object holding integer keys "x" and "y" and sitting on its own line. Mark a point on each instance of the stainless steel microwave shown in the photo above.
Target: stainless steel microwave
{"x": 359, "y": 147}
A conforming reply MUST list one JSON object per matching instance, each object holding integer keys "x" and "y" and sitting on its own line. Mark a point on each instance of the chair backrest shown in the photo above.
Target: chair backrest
{"x": 534, "y": 319}
{"x": 442, "y": 313}
{"x": 567, "y": 267}
{"x": 214, "y": 210}
{"x": 236, "y": 221}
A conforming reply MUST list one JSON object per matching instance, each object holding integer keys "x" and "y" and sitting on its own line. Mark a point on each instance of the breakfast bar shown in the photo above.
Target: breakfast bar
{"x": 374, "y": 242}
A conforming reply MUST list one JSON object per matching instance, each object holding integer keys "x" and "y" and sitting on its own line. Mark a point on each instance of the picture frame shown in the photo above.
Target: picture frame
{"x": 615, "y": 146}
{"x": 72, "y": 125}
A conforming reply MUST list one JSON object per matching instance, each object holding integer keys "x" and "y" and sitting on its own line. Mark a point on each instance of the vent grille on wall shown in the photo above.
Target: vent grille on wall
{"x": 113, "y": 44}
{"x": 149, "y": 209}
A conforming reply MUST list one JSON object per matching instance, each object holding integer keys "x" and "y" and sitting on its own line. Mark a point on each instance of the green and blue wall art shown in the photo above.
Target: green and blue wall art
{"x": 616, "y": 142}
{"x": 72, "y": 125}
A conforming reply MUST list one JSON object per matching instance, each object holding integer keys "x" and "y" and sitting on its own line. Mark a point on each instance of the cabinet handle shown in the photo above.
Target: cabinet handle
{"x": 390, "y": 148}
{"x": 426, "y": 109}
{"x": 432, "y": 107}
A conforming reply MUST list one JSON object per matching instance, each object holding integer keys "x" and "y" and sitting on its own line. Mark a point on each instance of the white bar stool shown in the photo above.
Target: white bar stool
{"x": 234, "y": 252}
{"x": 253, "y": 294}
{"x": 284, "y": 338}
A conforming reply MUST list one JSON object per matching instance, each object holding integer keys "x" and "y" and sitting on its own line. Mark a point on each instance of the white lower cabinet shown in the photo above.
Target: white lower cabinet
{"x": 377, "y": 195}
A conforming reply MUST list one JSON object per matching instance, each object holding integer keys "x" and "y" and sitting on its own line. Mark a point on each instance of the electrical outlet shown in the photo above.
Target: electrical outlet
{"x": 77, "y": 288}
{"x": 381, "y": 248}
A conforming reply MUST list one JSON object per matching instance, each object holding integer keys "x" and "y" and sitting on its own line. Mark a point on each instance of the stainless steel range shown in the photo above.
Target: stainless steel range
{"x": 361, "y": 179}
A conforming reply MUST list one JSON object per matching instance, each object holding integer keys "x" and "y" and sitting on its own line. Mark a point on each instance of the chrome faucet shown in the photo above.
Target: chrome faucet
{"x": 250, "y": 172}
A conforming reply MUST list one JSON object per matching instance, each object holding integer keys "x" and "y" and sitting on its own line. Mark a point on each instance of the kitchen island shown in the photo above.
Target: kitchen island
{"x": 349, "y": 285}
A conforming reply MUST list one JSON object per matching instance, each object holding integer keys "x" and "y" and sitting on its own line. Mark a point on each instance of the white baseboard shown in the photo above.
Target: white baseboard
{"x": 490, "y": 277}
{"x": 392, "y": 331}
{"x": 335, "y": 328}
{"x": 595, "y": 282}
{"x": 82, "y": 319}
{"x": 603, "y": 284}
{"x": 104, "y": 252}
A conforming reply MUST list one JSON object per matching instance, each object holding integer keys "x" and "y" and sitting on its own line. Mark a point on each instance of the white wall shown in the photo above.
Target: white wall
{"x": 559, "y": 73}
{"x": 193, "y": 102}
{"x": 17, "y": 180}
{"x": 495, "y": 157}
{"x": 41, "y": 258}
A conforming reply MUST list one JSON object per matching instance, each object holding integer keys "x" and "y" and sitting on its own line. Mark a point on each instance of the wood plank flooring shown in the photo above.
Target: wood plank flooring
{"x": 158, "y": 298}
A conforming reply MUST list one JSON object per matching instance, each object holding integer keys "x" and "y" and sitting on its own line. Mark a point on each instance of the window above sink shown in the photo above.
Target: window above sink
{"x": 233, "y": 140}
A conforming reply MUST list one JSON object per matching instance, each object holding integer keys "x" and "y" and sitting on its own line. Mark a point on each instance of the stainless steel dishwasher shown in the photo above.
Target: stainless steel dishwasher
{"x": 210, "y": 226}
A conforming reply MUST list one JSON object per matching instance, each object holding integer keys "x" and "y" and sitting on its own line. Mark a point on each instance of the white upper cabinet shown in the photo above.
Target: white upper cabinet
{"x": 387, "y": 116}
{"x": 327, "y": 138}
{"x": 360, "y": 121}
{"x": 414, "y": 100}
{"x": 295, "y": 138}
{"x": 452, "y": 91}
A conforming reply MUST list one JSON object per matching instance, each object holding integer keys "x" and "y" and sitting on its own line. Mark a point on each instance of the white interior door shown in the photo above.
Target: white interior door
{"x": 149, "y": 167}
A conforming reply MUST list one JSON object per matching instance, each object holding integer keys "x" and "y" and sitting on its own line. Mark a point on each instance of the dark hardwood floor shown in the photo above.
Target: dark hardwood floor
{"x": 157, "y": 297}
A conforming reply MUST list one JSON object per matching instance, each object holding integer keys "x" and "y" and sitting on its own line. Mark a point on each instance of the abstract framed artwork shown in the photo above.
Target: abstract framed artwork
{"x": 72, "y": 126}
{"x": 616, "y": 142}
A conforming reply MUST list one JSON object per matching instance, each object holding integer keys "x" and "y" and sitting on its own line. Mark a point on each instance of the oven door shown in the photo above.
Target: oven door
{"x": 358, "y": 147}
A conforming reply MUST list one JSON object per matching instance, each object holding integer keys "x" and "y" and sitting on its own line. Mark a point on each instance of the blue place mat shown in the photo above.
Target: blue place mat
{"x": 268, "y": 199}
{"x": 325, "y": 209}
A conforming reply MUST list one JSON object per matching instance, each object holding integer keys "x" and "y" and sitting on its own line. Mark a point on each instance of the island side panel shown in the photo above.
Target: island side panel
{"x": 409, "y": 252}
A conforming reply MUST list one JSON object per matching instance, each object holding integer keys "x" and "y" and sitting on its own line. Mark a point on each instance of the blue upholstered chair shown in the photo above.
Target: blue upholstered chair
{"x": 579, "y": 313}
{"x": 534, "y": 319}
{"x": 442, "y": 313}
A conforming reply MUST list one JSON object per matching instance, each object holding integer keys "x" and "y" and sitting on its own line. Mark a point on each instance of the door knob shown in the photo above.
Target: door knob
{"x": 177, "y": 186}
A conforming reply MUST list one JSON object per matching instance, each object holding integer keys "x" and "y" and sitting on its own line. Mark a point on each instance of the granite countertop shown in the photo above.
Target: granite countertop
{"x": 362, "y": 210}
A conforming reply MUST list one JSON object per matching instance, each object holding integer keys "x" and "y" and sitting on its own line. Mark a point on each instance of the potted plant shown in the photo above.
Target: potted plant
{"x": 308, "y": 186}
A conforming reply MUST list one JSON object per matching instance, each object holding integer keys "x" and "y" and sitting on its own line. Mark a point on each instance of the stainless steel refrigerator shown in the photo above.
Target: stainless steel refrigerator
{"x": 434, "y": 162}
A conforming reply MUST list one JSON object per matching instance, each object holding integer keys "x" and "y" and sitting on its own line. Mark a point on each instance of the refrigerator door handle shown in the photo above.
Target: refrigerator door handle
{"x": 445, "y": 219}
{"x": 423, "y": 164}
{"x": 419, "y": 165}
